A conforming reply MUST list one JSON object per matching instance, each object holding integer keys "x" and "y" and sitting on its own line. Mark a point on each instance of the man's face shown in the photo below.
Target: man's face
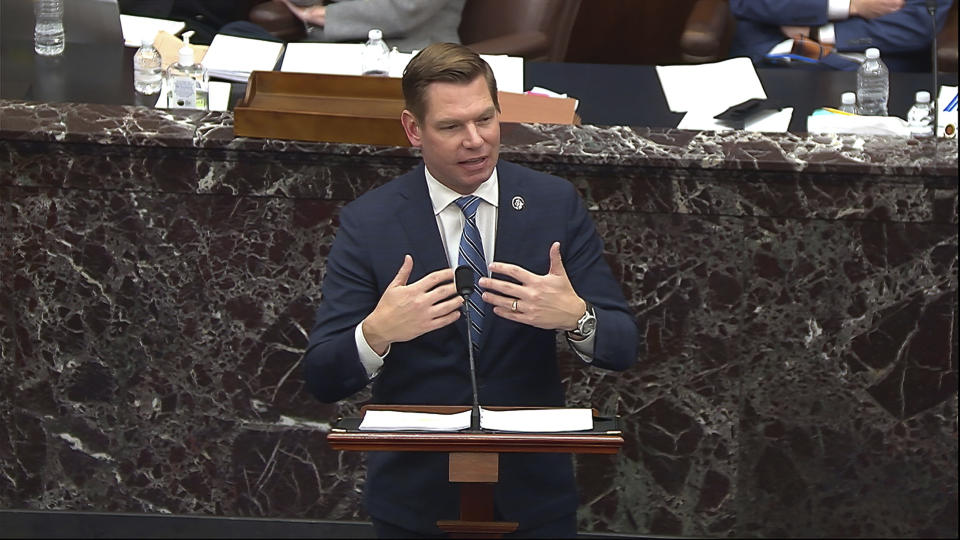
{"x": 459, "y": 135}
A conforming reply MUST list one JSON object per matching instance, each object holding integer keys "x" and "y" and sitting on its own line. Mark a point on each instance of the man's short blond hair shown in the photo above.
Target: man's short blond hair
{"x": 443, "y": 62}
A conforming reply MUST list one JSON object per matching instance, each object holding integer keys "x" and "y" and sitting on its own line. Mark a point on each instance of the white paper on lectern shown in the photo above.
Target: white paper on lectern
{"x": 347, "y": 59}
{"x": 537, "y": 420}
{"x": 135, "y": 29}
{"x": 414, "y": 421}
{"x": 710, "y": 87}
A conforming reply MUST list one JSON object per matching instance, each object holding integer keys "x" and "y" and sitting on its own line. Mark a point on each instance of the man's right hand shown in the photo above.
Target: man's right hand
{"x": 870, "y": 9}
{"x": 409, "y": 311}
{"x": 315, "y": 14}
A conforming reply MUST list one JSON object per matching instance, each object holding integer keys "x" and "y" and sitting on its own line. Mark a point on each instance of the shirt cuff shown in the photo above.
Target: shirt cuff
{"x": 838, "y": 10}
{"x": 372, "y": 362}
{"x": 827, "y": 35}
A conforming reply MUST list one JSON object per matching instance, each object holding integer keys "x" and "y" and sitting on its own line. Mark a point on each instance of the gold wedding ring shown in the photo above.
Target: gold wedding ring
{"x": 515, "y": 304}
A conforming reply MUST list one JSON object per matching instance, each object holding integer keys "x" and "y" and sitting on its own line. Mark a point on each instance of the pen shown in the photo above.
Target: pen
{"x": 838, "y": 111}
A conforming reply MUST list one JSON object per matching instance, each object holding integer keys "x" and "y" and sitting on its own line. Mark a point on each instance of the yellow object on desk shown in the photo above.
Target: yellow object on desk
{"x": 838, "y": 111}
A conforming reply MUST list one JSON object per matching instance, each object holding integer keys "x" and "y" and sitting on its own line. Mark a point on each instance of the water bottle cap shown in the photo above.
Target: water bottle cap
{"x": 848, "y": 98}
{"x": 873, "y": 53}
{"x": 923, "y": 96}
{"x": 146, "y": 42}
{"x": 375, "y": 33}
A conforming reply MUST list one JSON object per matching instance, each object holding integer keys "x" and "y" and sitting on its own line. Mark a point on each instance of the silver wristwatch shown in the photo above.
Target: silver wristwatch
{"x": 587, "y": 323}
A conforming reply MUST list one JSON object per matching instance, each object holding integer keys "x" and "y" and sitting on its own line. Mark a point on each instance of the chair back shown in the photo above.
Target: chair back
{"x": 534, "y": 29}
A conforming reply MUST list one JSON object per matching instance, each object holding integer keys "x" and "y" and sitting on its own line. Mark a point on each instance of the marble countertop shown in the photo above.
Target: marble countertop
{"x": 617, "y": 146}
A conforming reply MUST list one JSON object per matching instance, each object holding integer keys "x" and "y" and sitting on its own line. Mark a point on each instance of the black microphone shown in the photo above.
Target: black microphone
{"x": 935, "y": 91}
{"x": 463, "y": 279}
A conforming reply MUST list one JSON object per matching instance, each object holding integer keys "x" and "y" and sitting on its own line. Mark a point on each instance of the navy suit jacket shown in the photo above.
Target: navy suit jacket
{"x": 903, "y": 36}
{"x": 516, "y": 366}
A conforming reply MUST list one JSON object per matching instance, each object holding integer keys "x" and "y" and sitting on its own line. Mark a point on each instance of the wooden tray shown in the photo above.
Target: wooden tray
{"x": 318, "y": 107}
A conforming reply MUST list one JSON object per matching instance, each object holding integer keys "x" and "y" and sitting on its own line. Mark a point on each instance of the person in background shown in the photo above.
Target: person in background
{"x": 830, "y": 30}
{"x": 390, "y": 316}
{"x": 406, "y": 24}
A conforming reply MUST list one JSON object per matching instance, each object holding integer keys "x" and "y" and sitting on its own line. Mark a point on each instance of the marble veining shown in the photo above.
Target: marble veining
{"x": 797, "y": 296}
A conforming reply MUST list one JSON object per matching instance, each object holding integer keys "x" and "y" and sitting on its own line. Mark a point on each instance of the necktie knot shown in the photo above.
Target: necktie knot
{"x": 469, "y": 205}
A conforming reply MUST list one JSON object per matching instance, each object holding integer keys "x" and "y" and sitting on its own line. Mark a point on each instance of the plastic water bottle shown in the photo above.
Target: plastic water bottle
{"x": 147, "y": 76}
{"x": 48, "y": 35}
{"x": 920, "y": 116}
{"x": 848, "y": 102}
{"x": 376, "y": 55}
{"x": 873, "y": 85}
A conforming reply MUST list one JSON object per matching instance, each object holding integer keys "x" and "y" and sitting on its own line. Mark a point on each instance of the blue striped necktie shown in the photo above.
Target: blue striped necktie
{"x": 471, "y": 253}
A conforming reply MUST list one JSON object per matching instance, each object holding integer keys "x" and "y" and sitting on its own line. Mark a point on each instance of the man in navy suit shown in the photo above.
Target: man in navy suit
{"x": 901, "y": 29}
{"x": 390, "y": 314}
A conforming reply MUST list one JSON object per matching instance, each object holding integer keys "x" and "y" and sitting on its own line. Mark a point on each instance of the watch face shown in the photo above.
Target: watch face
{"x": 588, "y": 326}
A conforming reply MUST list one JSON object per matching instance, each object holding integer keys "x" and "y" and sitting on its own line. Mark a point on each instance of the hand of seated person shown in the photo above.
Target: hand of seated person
{"x": 312, "y": 14}
{"x": 870, "y": 9}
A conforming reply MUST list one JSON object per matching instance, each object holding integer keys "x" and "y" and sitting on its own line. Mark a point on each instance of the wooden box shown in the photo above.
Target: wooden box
{"x": 319, "y": 107}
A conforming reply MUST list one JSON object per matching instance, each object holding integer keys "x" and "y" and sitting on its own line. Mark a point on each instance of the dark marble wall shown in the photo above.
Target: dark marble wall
{"x": 798, "y": 296}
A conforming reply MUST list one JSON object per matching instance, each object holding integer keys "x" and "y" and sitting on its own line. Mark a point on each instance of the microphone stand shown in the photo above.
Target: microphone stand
{"x": 475, "y": 411}
{"x": 463, "y": 279}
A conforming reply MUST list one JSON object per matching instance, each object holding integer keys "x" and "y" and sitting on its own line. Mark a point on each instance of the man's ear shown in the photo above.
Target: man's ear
{"x": 411, "y": 126}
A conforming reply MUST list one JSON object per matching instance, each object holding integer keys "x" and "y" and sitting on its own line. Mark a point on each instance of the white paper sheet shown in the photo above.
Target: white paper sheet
{"x": 414, "y": 421}
{"x": 346, "y": 59}
{"x": 767, "y": 121}
{"x": 537, "y": 420}
{"x": 710, "y": 88}
{"x": 136, "y": 29}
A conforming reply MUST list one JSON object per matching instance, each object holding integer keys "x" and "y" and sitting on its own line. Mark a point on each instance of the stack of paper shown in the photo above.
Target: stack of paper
{"x": 346, "y": 59}
{"x": 234, "y": 58}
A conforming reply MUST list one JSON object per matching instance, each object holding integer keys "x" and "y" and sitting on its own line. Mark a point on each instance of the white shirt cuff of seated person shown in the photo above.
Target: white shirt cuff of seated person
{"x": 837, "y": 10}
{"x": 827, "y": 35}
{"x": 372, "y": 362}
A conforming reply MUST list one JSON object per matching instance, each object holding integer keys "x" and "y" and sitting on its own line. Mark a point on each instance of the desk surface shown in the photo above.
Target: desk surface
{"x": 609, "y": 94}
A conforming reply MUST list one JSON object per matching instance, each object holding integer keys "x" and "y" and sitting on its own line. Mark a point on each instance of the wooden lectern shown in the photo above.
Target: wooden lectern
{"x": 474, "y": 457}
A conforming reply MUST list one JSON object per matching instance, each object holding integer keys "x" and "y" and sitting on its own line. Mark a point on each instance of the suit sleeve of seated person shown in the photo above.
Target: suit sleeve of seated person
{"x": 406, "y": 24}
{"x": 901, "y": 29}
{"x": 389, "y": 315}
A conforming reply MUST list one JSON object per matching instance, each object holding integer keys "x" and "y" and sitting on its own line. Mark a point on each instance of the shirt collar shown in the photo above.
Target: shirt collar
{"x": 441, "y": 196}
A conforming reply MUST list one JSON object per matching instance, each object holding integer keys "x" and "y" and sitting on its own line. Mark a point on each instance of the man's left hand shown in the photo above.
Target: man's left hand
{"x": 546, "y": 301}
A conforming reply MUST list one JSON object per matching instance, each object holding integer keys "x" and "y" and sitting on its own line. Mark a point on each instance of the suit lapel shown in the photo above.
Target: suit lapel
{"x": 415, "y": 215}
{"x": 512, "y": 220}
